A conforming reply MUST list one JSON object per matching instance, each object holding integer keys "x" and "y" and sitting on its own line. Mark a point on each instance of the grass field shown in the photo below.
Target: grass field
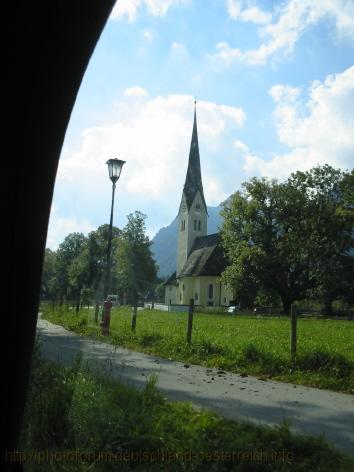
{"x": 79, "y": 420}
{"x": 244, "y": 344}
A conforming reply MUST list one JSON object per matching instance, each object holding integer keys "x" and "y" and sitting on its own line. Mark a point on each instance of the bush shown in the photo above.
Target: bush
{"x": 322, "y": 361}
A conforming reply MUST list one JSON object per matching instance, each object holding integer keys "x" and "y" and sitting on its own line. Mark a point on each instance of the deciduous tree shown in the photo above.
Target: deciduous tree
{"x": 135, "y": 267}
{"x": 289, "y": 237}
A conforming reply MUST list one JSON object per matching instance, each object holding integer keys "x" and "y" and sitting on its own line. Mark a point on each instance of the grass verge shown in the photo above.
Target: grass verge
{"x": 76, "y": 419}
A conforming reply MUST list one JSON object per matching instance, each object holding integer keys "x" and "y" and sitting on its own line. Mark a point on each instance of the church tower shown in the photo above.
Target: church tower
{"x": 192, "y": 214}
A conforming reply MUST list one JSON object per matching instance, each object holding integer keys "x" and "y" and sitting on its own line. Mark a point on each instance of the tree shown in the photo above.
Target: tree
{"x": 78, "y": 275}
{"x": 86, "y": 270}
{"x": 285, "y": 237}
{"x": 67, "y": 252}
{"x": 330, "y": 235}
{"x": 135, "y": 267}
{"x": 86, "y": 296}
{"x": 96, "y": 250}
{"x": 49, "y": 285}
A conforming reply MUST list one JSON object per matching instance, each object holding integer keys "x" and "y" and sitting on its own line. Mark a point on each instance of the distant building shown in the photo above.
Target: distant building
{"x": 200, "y": 260}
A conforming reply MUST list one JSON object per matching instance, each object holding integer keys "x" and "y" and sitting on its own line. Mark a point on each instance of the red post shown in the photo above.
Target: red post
{"x": 106, "y": 319}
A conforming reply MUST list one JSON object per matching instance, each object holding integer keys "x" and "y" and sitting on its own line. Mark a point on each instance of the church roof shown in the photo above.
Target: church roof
{"x": 171, "y": 280}
{"x": 193, "y": 181}
{"x": 206, "y": 257}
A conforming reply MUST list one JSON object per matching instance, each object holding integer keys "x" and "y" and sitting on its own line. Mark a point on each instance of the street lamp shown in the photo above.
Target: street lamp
{"x": 114, "y": 170}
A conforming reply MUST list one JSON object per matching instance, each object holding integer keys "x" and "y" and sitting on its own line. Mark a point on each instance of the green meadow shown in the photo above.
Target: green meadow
{"x": 250, "y": 345}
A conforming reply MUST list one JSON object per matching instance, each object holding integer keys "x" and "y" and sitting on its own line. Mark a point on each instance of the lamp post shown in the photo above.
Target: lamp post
{"x": 114, "y": 170}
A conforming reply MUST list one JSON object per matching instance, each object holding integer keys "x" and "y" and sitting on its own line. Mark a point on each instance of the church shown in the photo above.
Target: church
{"x": 200, "y": 259}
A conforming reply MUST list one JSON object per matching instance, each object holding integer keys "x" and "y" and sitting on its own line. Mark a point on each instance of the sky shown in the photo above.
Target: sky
{"x": 274, "y": 83}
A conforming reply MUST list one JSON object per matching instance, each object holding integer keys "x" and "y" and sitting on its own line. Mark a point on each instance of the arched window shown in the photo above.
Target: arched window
{"x": 210, "y": 291}
{"x": 195, "y": 225}
{"x": 196, "y": 296}
{"x": 199, "y": 225}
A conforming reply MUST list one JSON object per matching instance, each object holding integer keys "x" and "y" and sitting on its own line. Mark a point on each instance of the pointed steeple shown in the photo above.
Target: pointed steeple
{"x": 193, "y": 181}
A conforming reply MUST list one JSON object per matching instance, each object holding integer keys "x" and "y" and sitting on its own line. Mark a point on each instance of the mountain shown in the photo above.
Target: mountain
{"x": 164, "y": 243}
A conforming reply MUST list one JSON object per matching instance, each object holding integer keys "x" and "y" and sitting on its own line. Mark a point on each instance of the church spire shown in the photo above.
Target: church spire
{"x": 193, "y": 181}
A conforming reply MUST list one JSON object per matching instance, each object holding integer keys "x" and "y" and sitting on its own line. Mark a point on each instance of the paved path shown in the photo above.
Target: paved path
{"x": 310, "y": 411}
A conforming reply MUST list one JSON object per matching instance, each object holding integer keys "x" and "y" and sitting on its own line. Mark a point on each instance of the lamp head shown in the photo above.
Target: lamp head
{"x": 114, "y": 169}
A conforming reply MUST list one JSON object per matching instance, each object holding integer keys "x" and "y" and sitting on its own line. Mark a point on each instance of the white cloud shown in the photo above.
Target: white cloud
{"x": 148, "y": 35}
{"x": 60, "y": 227}
{"x": 176, "y": 46}
{"x": 214, "y": 189}
{"x": 154, "y": 139}
{"x": 125, "y": 8}
{"x": 252, "y": 14}
{"x": 129, "y": 8}
{"x": 135, "y": 92}
{"x": 318, "y": 131}
{"x": 241, "y": 146}
{"x": 292, "y": 19}
{"x": 284, "y": 93}
{"x": 226, "y": 54}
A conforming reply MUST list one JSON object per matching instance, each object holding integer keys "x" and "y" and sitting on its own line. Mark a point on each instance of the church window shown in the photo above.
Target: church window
{"x": 183, "y": 225}
{"x": 199, "y": 225}
{"x": 195, "y": 225}
{"x": 210, "y": 291}
{"x": 196, "y": 296}
{"x": 182, "y": 287}
{"x": 180, "y": 297}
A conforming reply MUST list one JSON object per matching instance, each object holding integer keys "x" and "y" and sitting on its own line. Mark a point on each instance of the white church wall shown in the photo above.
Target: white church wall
{"x": 170, "y": 295}
{"x": 198, "y": 288}
{"x": 186, "y": 289}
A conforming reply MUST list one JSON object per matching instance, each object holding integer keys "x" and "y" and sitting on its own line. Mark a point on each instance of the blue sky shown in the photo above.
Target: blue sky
{"x": 275, "y": 89}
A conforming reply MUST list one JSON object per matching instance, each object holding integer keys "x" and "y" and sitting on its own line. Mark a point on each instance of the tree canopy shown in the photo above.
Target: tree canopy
{"x": 292, "y": 237}
{"x": 136, "y": 269}
{"x": 75, "y": 271}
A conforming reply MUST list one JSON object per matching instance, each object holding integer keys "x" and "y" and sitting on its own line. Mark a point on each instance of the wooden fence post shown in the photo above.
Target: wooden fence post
{"x": 293, "y": 336}
{"x": 97, "y": 309}
{"x": 190, "y": 320}
{"x": 135, "y": 309}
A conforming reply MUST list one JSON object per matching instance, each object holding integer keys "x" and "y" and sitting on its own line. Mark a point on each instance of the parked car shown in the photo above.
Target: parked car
{"x": 233, "y": 308}
{"x": 263, "y": 309}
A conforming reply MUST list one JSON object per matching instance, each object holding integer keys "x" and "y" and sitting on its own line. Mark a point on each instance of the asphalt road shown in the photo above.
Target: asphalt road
{"x": 309, "y": 410}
